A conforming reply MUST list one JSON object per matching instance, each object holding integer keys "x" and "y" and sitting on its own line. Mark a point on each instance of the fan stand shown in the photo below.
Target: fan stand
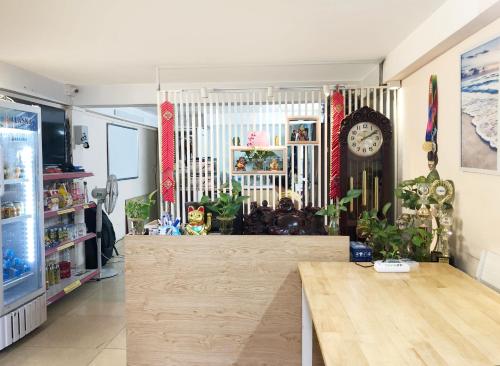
{"x": 100, "y": 195}
{"x": 103, "y": 272}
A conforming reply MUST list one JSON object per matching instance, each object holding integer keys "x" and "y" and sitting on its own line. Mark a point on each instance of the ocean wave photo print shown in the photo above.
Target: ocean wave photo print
{"x": 479, "y": 93}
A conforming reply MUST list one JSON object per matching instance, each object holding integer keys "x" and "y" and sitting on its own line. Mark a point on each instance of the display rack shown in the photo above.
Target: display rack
{"x": 67, "y": 285}
{"x": 68, "y": 210}
{"x": 66, "y": 176}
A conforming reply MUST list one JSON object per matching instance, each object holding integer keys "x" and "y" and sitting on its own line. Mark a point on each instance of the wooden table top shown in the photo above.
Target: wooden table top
{"x": 434, "y": 315}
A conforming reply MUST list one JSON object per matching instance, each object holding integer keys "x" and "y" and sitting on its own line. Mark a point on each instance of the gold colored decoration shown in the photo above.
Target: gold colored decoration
{"x": 427, "y": 146}
{"x": 196, "y": 219}
{"x": 442, "y": 191}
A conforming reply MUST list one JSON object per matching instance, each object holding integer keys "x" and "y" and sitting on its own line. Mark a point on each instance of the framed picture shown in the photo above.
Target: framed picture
{"x": 303, "y": 130}
{"x": 269, "y": 160}
{"x": 479, "y": 69}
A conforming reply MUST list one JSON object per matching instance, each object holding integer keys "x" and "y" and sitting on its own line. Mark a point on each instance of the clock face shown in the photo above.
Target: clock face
{"x": 365, "y": 139}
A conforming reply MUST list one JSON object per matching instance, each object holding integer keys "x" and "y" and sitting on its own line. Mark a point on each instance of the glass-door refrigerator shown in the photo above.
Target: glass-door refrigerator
{"x": 22, "y": 295}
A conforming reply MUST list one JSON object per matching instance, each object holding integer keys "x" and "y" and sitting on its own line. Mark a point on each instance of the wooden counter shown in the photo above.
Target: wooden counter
{"x": 219, "y": 300}
{"x": 435, "y": 315}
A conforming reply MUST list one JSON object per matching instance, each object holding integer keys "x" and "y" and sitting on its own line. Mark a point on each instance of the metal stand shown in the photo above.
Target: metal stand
{"x": 103, "y": 272}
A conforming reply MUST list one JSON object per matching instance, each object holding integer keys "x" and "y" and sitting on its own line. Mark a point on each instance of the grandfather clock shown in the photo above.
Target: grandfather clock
{"x": 366, "y": 163}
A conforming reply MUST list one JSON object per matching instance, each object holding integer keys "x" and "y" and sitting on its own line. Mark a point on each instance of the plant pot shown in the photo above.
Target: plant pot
{"x": 137, "y": 226}
{"x": 226, "y": 225}
{"x": 333, "y": 228}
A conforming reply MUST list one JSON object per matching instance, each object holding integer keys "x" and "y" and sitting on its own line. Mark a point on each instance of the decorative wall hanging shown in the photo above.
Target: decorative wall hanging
{"x": 337, "y": 115}
{"x": 430, "y": 145}
{"x": 168, "y": 151}
{"x": 303, "y": 130}
{"x": 479, "y": 98}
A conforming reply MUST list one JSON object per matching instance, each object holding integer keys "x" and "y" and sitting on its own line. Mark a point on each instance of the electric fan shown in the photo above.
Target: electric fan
{"x": 107, "y": 197}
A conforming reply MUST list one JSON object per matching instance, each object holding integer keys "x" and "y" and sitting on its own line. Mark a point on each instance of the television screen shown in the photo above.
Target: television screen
{"x": 53, "y": 135}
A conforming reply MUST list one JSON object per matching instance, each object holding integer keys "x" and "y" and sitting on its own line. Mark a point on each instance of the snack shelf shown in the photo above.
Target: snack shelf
{"x": 68, "y": 244}
{"x": 68, "y": 285}
{"x": 68, "y": 210}
{"x": 66, "y": 176}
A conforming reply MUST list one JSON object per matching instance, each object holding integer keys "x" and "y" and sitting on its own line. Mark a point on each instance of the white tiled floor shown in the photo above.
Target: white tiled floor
{"x": 85, "y": 328}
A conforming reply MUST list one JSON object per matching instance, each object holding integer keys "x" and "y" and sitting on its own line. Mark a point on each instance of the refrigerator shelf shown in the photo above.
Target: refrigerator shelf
{"x": 68, "y": 210}
{"x": 68, "y": 244}
{"x": 14, "y": 181}
{"x": 17, "y": 281}
{"x": 12, "y": 220}
{"x": 66, "y": 176}
{"x": 67, "y": 285}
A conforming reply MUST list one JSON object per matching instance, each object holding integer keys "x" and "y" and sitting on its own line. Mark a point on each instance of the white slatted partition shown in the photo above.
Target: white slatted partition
{"x": 205, "y": 128}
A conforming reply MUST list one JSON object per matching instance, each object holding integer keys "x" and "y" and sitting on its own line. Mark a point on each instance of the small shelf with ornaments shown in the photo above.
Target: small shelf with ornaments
{"x": 258, "y": 160}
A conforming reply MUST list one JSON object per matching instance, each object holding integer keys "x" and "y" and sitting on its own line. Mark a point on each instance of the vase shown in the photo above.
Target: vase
{"x": 225, "y": 225}
{"x": 333, "y": 227}
{"x": 137, "y": 227}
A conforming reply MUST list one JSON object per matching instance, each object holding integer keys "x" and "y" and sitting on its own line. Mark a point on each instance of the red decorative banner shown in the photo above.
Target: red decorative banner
{"x": 337, "y": 115}
{"x": 168, "y": 151}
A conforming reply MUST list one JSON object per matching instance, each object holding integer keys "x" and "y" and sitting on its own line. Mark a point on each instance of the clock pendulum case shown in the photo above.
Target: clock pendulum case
{"x": 366, "y": 163}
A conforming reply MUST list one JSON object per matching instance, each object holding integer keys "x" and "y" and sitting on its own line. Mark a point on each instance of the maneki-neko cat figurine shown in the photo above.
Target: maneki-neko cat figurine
{"x": 196, "y": 219}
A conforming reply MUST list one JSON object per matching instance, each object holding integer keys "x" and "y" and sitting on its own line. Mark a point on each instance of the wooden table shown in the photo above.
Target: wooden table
{"x": 435, "y": 315}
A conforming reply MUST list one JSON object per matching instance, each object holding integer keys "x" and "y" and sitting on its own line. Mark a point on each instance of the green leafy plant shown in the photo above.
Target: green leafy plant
{"x": 255, "y": 154}
{"x": 406, "y": 191}
{"x": 333, "y": 210}
{"x": 226, "y": 205}
{"x": 139, "y": 209}
{"x": 384, "y": 238}
{"x": 415, "y": 243}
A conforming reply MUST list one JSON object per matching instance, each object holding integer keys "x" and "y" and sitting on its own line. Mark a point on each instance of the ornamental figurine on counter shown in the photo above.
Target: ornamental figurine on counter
{"x": 196, "y": 219}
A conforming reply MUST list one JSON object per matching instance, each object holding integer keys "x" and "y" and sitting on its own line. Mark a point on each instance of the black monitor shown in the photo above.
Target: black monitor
{"x": 54, "y": 136}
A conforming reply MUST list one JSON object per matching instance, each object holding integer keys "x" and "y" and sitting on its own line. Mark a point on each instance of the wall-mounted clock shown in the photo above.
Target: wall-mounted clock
{"x": 366, "y": 163}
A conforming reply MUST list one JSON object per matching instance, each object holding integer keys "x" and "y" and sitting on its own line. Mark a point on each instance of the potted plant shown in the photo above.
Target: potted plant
{"x": 390, "y": 241}
{"x": 258, "y": 157}
{"x": 138, "y": 210}
{"x": 226, "y": 206}
{"x": 379, "y": 234}
{"x": 333, "y": 211}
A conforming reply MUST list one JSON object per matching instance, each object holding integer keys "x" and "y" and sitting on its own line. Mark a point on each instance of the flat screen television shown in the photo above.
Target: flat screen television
{"x": 54, "y": 136}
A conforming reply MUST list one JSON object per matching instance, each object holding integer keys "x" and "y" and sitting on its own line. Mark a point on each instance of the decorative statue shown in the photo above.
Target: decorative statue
{"x": 196, "y": 219}
{"x": 274, "y": 165}
{"x": 241, "y": 164}
{"x": 285, "y": 220}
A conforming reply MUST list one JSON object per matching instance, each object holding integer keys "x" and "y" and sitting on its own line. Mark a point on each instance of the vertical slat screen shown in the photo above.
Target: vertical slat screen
{"x": 206, "y": 128}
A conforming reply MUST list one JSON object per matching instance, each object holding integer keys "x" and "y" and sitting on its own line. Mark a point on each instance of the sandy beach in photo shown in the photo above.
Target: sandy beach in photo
{"x": 476, "y": 153}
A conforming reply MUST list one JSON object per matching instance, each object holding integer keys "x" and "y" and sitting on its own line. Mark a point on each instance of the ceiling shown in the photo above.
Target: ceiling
{"x": 122, "y": 41}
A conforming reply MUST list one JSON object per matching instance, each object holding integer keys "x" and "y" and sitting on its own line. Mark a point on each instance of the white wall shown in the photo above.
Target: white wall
{"x": 21, "y": 81}
{"x": 446, "y": 27}
{"x": 477, "y": 205}
{"x": 94, "y": 160}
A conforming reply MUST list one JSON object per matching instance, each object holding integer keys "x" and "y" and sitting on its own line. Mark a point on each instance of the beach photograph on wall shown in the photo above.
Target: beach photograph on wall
{"x": 479, "y": 98}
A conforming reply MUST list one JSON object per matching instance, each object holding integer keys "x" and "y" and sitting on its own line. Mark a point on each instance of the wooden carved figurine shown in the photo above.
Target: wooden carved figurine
{"x": 241, "y": 164}
{"x": 274, "y": 165}
{"x": 196, "y": 219}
